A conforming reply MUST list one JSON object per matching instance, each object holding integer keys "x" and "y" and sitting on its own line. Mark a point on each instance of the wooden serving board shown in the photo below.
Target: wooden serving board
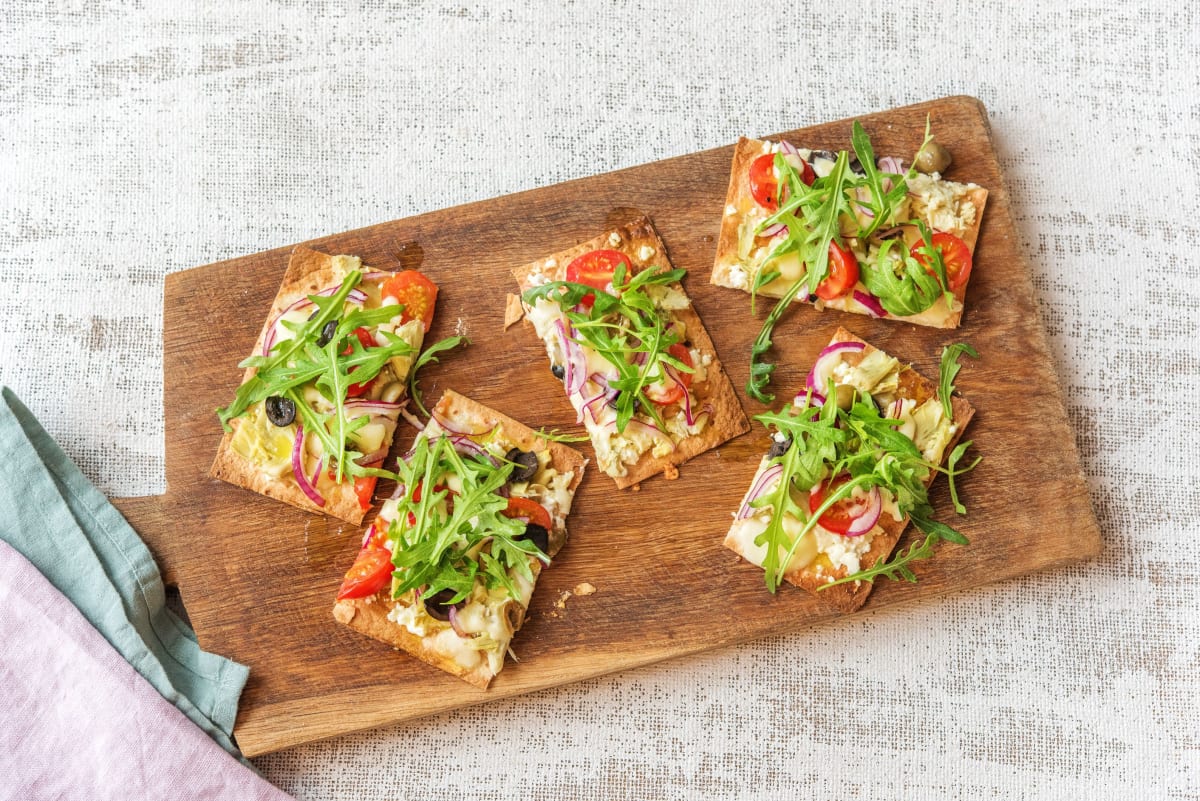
{"x": 258, "y": 577}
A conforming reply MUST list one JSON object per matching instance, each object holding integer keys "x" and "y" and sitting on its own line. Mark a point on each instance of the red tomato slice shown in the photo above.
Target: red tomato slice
{"x": 367, "y": 341}
{"x": 670, "y": 391}
{"x": 955, "y": 255}
{"x": 364, "y": 488}
{"x": 843, "y": 273}
{"x": 531, "y": 511}
{"x": 764, "y": 186}
{"x": 596, "y": 270}
{"x": 842, "y": 514}
{"x": 412, "y": 518}
{"x": 806, "y": 173}
{"x": 371, "y": 571}
{"x": 416, "y": 292}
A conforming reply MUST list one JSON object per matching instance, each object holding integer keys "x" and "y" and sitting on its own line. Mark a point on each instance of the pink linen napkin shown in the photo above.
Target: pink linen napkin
{"x": 78, "y": 722}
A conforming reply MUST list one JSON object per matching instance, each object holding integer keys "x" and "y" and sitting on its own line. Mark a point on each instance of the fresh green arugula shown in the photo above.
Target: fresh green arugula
{"x": 554, "y": 435}
{"x": 429, "y": 356}
{"x": 903, "y": 283}
{"x": 815, "y": 218}
{"x": 949, "y": 371}
{"x": 451, "y": 545}
{"x": 858, "y": 442}
{"x": 626, "y": 329}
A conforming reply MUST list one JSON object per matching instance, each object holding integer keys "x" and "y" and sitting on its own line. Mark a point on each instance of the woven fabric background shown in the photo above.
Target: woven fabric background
{"x": 138, "y": 138}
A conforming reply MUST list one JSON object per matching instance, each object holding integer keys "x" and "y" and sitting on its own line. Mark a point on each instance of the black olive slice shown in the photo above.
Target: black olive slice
{"x": 280, "y": 411}
{"x": 438, "y": 605}
{"x": 779, "y": 448}
{"x": 526, "y": 465}
{"x": 538, "y": 536}
{"x": 559, "y": 371}
{"x": 327, "y": 333}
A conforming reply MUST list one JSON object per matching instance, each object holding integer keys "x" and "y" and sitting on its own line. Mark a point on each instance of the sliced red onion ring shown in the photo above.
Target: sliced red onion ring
{"x": 316, "y": 476}
{"x": 298, "y": 469}
{"x": 375, "y": 276}
{"x": 891, "y": 164}
{"x": 772, "y": 230}
{"x": 818, "y": 399}
{"x": 470, "y": 447}
{"x": 828, "y": 358}
{"x": 896, "y": 407}
{"x": 355, "y": 296}
{"x": 865, "y": 211}
{"x": 576, "y": 362}
{"x": 385, "y": 408}
{"x": 675, "y": 376}
{"x": 871, "y": 303}
{"x": 788, "y": 148}
{"x": 766, "y": 480}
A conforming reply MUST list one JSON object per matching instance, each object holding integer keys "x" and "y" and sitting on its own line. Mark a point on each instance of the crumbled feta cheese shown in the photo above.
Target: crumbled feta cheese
{"x": 614, "y": 240}
{"x": 645, "y": 253}
{"x": 738, "y": 277}
{"x": 730, "y": 210}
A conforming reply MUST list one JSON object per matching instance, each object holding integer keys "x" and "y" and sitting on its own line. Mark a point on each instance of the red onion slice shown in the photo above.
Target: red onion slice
{"x": 354, "y": 296}
{"x": 818, "y": 399}
{"x": 772, "y": 230}
{"x": 788, "y": 148}
{"x": 828, "y": 358}
{"x": 316, "y": 476}
{"x": 871, "y": 303}
{"x": 466, "y": 445}
{"x": 891, "y": 164}
{"x": 576, "y": 373}
{"x": 385, "y": 408}
{"x": 766, "y": 480}
{"x": 298, "y": 469}
{"x": 452, "y": 613}
{"x": 456, "y": 431}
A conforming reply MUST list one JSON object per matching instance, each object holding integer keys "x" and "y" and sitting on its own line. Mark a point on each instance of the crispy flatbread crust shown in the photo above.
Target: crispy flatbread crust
{"x": 849, "y": 597}
{"x": 739, "y": 196}
{"x": 727, "y": 419}
{"x": 309, "y": 271}
{"x": 370, "y": 615}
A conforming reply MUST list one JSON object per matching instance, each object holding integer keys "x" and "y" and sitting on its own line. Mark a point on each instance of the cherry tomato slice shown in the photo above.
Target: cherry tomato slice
{"x": 367, "y": 341}
{"x": 530, "y": 511}
{"x": 595, "y": 269}
{"x": 371, "y": 571}
{"x": 764, "y": 186}
{"x": 806, "y": 173}
{"x": 843, "y": 273}
{"x": 416, "y": 292}
{"x": 839, "y": 517}
{"x": 412, "y": 518}
{"x": 955, "y": 255}
{"x": 364, "y": 488}
{"x": 670, "y": 391}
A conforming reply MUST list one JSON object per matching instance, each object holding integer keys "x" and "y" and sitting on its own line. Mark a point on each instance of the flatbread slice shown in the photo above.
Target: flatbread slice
{"x": 948, "y": 206}
{"x": 717, "y": 414}
{"x": 406, "y": 621}
{"x": 256, "y": 454}
{"x": 837, "y": 556}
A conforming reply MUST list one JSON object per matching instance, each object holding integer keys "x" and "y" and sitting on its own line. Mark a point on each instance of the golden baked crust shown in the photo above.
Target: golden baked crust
{"x": 726, "y": 419}
{"x": 369, "y": 616}
{"x": 849, "y": 597}
{"x": 738, "y": 197}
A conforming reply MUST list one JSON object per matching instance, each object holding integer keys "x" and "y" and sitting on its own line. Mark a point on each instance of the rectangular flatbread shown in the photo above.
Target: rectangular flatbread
{"x": 257, "y": 454}
{"x": 472, "y": 642}
{"x": 743, "y": 250}
{"x": 903, "y": 394}
{"x": 704, "y": 415}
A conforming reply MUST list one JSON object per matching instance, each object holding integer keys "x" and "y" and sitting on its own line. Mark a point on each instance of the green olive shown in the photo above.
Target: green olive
{"x": 933, "y": 158}
{"x": 845, "y": 397}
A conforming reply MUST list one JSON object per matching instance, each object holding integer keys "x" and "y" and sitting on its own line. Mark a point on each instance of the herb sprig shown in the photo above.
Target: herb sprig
{"x": 451, "y": 545}
{"x": 625, "y": 329}
{"x": 948, "y": 371}
{"x": 429, "y": 356}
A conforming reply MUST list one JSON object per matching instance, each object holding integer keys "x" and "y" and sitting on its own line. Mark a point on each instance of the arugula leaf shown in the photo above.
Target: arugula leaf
{"x": 450, "y": 546}
{"x": 626, "y": 329}
{"x": 949, "y": 370}
{"x": 554, "y": 435}
{"x": 428, "y": 356}
{"x": 902, "y": 284}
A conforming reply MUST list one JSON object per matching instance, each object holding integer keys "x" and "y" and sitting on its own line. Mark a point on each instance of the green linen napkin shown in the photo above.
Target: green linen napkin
{"x": 57, "y": 520}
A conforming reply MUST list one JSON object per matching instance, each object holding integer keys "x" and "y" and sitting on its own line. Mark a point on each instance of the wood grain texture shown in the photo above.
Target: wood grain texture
{"x": 258, "y": 577}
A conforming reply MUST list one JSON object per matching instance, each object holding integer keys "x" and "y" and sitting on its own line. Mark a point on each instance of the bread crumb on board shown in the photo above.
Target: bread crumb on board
{"x": 513, "y": 310}
{"x": 585, "y": 588}
{"x": 670, "y": 472}
{"x": 582, "y": 589}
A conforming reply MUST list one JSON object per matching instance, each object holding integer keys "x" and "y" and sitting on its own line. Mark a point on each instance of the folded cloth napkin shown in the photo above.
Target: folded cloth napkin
{"x": 67, "y": 529}
{"x": 79, "y": 722}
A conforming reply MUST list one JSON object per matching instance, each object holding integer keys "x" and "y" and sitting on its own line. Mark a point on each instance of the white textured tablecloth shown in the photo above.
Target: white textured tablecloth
{"x": 143, "y": 137}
